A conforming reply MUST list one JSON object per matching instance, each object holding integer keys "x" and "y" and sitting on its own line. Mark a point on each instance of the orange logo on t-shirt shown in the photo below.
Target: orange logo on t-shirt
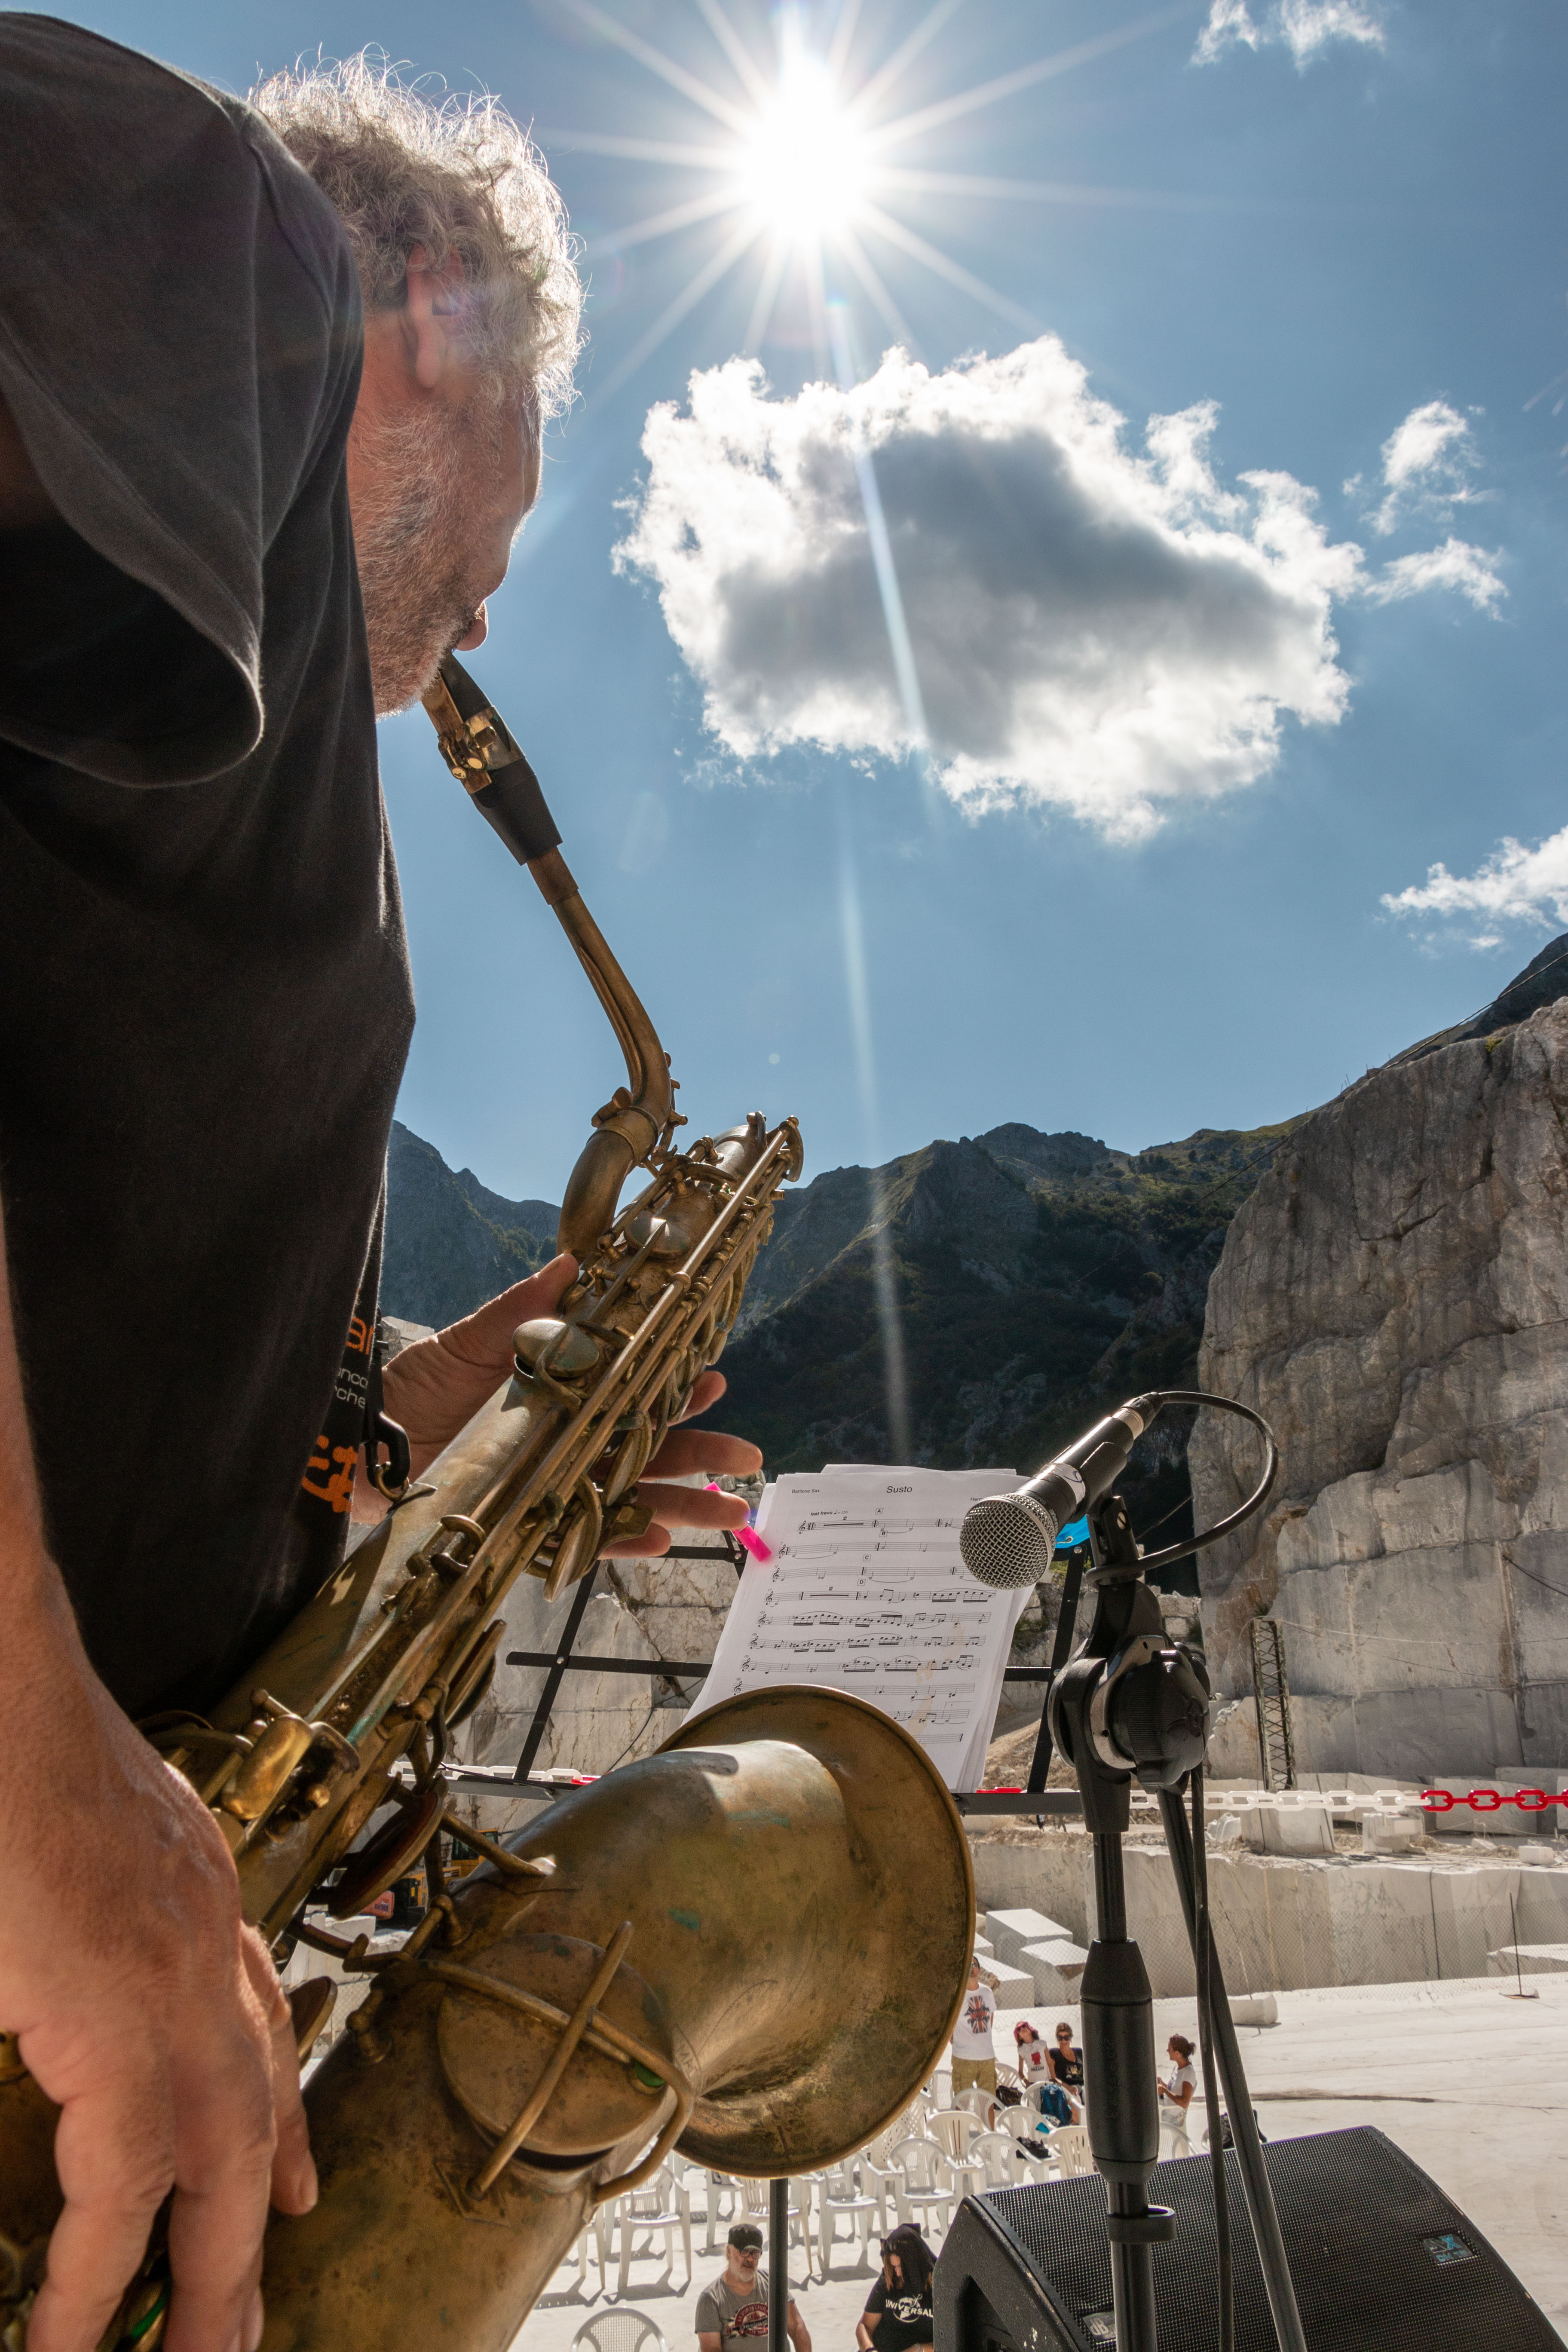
{"x": 339, "y": 1488}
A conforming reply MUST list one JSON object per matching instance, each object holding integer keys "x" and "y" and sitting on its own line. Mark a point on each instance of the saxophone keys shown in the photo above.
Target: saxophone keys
{"x": 266, "y": 1771}
{"x": 546, "y": 1345}
{"x": 630, "y": 1458}
{"x": 580, "y": 1539}
{"x": 310, "y": 2007}
{"x": 627, "y": 1523}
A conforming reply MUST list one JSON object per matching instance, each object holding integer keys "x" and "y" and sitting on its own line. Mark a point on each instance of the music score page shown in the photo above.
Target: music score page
{"x": 867, "y": 1591}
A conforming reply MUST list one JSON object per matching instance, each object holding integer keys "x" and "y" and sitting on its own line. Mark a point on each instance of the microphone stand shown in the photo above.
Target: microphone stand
{"x": 1128, "y": 1706}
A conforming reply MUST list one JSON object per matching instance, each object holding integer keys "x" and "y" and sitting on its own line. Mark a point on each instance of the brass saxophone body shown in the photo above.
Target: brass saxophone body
{"x": 751, "y": 1946}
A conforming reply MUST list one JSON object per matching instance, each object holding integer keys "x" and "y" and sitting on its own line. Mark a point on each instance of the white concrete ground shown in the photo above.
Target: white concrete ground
{"x": 1473, "y": 2086}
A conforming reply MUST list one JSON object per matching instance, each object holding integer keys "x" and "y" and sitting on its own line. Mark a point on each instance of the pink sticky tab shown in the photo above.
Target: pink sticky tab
{"x": 750, "y": 1540}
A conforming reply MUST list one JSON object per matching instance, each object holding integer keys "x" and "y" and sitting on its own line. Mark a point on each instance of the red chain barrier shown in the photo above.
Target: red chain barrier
{"x": 1491, "y": 1800}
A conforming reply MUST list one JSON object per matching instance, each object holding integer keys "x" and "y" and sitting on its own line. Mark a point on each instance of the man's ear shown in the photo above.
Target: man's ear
{"x": 434, "y": 298}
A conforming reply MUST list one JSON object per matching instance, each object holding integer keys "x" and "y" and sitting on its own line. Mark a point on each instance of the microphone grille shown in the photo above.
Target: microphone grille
{"x": 1008, "y": 1540}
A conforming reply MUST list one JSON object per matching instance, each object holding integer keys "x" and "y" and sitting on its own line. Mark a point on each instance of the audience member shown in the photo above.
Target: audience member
{"x": 736, "y": 2304}
{"x": 973, "y": 2055}
{"x": 1042, "y": 2095}
{"x": 898, "y": 2313}
{"x": 1067, "y": 2069}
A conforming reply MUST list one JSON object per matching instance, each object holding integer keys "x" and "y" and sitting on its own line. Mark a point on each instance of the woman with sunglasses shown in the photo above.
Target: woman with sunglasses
{"x": 1067, "y": 2070}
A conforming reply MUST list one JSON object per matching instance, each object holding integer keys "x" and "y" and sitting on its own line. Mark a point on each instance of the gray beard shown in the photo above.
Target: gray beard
{"x": 411, "y": 546}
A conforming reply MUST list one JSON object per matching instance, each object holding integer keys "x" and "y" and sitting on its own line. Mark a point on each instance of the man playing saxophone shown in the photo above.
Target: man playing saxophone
{"x": 273, "y": 381}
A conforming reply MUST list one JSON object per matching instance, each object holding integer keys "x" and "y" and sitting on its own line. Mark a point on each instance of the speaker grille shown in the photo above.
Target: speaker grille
{"x": 1380, "y": 2257}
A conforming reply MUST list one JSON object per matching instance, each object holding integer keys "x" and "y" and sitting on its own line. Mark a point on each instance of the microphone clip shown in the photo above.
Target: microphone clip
{"x": 1129, "y": 1704}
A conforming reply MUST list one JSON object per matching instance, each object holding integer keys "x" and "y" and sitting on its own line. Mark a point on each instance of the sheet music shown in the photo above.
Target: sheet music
{"x": 867, "y": 1591}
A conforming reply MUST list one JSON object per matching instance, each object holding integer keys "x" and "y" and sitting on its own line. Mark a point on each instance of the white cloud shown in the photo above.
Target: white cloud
{"x": 1455, "y": 565}
{"x": 1303, "y": 26}
{"x": 1428, "y": 461}
{"x": 1093, "y": 627}
{"x": 1513, "y": 884}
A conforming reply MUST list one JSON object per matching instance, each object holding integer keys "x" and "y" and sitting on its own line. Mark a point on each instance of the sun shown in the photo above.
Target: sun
{"x": 807, "y": 163}
{"x": 803, "y": 166}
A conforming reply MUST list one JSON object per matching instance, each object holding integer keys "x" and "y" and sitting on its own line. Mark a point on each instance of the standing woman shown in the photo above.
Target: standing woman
{"x": 1176, "y": 2091}
{"x": 898, "y": 2313}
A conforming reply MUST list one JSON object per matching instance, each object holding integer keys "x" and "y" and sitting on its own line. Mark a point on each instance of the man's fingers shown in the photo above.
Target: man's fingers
{"x": 293, "y": 2171}
{"x": 484, "y": 1338}
{"x": 438, "y": 1384}
{"x": 223, "y": 2172}
{"x": 686, "y": 1450}
{"x": 115, "y": 2158}
{"x": 692, "y": 1506}
{"x": 653, "y": 1545}
{"x": 706, "y": 1390}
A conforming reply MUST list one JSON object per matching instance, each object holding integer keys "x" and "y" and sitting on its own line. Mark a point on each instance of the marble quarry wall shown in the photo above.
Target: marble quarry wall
{"x": 1394, "y": 1297}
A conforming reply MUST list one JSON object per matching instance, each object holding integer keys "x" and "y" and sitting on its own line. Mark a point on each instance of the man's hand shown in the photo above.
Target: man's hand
{"x": 145, "y": 2007}
{"x": 436, "y": 1385}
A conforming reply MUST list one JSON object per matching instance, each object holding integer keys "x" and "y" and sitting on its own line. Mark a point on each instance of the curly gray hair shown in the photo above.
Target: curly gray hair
{"x": 459, "y": 178}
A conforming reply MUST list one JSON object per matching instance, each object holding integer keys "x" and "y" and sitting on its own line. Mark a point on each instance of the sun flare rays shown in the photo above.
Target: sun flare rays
{"x": 807, "y": 162}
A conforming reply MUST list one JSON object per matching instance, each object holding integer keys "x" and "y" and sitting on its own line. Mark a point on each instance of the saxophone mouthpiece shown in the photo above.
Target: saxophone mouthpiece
{"x": 483, "y": 754}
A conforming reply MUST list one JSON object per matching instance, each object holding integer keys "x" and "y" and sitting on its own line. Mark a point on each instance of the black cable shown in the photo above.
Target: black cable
{"x": 1226, "y": 2281}
{"x": 1256, "y": 2185}
{"x": 1254, "y": 1502}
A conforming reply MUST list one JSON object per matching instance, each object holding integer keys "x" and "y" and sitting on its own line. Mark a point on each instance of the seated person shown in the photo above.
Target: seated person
{"x": 1042, "y": 2093}
{"x": 898, "y": 2313}
{"x": 1067, "y": 2069}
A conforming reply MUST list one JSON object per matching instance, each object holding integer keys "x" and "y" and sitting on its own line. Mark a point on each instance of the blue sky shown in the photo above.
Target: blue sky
{"x": 1181, "y": 737}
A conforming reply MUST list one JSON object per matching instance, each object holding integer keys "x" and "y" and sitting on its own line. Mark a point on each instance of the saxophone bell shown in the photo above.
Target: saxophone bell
{"x": 752, "y": 1951}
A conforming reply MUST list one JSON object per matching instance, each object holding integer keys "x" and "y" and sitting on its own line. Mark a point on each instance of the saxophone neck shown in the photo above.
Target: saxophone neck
{"x": 640, "y": 1117}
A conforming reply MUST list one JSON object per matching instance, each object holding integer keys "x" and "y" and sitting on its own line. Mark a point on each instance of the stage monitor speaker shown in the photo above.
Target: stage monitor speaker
{"x": 1382, "y": 2260}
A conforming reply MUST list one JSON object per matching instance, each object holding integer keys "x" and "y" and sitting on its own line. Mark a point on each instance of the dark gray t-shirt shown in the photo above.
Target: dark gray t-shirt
{"x": 722, "y": 2312}
{"x": 204, "y": 1003}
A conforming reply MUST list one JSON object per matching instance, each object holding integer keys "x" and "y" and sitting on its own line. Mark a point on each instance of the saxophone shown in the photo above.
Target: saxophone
{"x": 750, "y": 1948}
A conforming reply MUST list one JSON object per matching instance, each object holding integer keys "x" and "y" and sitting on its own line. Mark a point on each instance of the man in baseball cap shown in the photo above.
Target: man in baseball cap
{"x": 736, "y": 2304}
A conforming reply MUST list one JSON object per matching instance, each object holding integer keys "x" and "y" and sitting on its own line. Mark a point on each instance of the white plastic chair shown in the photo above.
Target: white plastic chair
{"x": 921, "y": 2185}
{"x": 878, "y": 2180}
{"x": 995, "y": 2156}
{"x": 592, "y": 2229}
{"x": 753, "y": 2207}
{"x": 1068, "y": 2147}
{"x": 722, "y": 2201}
{"x": 955, "y": 2127}
{"x": 838, "y": 2193}
{"x": 661, "y": 2207}
{"x": 624, "y": 2329}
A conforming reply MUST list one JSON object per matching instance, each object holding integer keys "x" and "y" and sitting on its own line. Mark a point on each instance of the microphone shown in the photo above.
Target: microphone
{"x": 1008, "y": 1540}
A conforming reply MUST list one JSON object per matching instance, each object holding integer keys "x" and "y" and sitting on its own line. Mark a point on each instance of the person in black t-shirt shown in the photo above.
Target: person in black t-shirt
{"x": 1067, "y": 2068}
{"x": 898, "y": 2316}
{"x": 272, "y": 384}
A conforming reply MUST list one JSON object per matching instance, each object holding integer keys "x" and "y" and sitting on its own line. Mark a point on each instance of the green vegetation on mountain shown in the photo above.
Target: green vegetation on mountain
{"x": 451, "y": 1244}
{"x": 1039, "y": 1280}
